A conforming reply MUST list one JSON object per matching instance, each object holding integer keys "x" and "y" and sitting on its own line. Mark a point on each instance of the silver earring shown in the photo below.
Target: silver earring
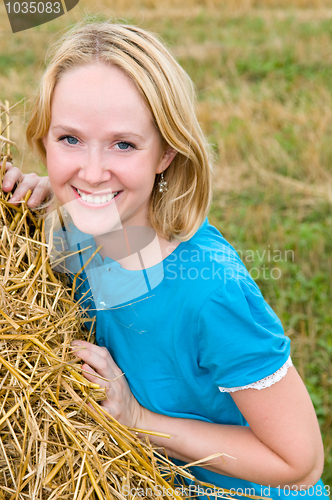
{"x": 65, "y": 213}
{"x": 162, "y": 184}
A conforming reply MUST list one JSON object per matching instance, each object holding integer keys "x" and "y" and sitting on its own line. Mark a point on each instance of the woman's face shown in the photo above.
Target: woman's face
{"x": 103, "y": 150}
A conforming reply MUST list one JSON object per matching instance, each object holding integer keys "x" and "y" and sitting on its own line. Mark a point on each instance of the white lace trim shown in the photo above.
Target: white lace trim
{"x": 265, "y": 382}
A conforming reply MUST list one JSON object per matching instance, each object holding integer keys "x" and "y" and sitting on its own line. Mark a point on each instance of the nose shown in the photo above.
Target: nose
{"x": 94, "y": 169}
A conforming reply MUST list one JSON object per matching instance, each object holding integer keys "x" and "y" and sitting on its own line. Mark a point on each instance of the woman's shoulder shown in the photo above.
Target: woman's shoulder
{"x": 209, "y": 249}
{"x": 206, "y": 267}
{"x": 209, "y": 238}
{"x": 231, "y": 281}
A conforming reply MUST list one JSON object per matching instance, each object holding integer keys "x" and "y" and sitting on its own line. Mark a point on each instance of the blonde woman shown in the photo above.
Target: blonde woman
{"x": 199, "y": 355}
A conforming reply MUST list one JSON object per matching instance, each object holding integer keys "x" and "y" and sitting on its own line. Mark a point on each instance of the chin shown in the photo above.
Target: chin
{"x": 96, "y": 222}
{"x": 96, "y": 228}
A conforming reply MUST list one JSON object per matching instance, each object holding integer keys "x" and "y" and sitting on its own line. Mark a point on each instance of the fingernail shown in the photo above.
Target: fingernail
{"x": 5, "y": 184}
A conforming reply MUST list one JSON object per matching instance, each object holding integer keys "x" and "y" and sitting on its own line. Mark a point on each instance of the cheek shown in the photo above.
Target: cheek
{"x": 58, "y": 167}
{"x": 57, "y": 174}
{"x": 137, "y": 177}
{"x": 59, "y": 178}
{"x": 143, "y": 184}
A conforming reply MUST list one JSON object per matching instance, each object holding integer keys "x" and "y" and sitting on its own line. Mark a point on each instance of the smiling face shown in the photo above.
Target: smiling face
{"x": 103, "y": 149}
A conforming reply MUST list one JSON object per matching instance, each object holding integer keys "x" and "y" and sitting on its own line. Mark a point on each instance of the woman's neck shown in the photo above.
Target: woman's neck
{"x": 135, "y": 247}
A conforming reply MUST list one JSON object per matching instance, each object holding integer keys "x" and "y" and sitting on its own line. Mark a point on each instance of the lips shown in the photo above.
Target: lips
{"x": 100, "y": 199}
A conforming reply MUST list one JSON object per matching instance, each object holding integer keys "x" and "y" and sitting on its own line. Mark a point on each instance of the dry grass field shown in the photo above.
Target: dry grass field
{"x": 263, "y": 73}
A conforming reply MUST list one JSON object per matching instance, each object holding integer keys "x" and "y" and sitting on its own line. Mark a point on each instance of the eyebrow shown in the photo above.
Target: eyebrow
{"x": 74, "y": 131}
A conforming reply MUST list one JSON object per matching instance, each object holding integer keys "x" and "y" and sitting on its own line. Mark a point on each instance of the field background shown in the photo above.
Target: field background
{"x": 263, "y": 73}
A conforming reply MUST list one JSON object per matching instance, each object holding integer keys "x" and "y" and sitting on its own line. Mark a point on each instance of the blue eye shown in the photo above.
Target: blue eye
{"x": 124, "y": 145}
{"x": 70, "y": 139}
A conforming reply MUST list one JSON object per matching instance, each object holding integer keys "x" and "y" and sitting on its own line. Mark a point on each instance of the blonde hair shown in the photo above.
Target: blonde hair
{"x": 169, "y": 94}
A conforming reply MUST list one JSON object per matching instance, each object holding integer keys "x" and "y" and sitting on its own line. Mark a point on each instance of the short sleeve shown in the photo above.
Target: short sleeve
{"x": 241, "y": 340}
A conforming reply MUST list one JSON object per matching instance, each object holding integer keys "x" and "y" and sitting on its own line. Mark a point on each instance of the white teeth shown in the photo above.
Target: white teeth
{"x": 97, "y": 200}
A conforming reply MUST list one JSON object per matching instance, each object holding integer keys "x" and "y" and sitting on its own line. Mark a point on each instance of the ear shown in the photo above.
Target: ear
{"x": 167, "y": 158}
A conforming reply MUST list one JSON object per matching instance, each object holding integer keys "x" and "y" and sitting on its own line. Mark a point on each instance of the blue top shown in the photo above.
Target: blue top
{"x": 183, "y": 328}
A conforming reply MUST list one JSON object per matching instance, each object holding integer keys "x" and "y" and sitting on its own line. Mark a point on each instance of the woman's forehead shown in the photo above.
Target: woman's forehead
{"x": 98, "y": 79}
{"x": 97, "y": 91}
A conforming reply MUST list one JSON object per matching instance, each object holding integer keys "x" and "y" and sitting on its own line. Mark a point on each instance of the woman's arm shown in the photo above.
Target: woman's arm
{"x": 283, "y": 445}
{"x": 39, "y": 186}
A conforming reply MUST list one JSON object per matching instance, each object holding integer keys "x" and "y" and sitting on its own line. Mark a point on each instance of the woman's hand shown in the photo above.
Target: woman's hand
{"x": 120, "y": 402}
{"x": 39, "y": 186}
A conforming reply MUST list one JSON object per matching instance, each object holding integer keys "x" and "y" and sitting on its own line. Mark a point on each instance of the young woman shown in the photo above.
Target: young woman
{"x": 194, "y": 352}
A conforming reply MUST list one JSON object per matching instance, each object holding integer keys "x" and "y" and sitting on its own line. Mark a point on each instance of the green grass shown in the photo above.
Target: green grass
{"x": 264, "y": 82}
{"x": 290, "y": 258}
